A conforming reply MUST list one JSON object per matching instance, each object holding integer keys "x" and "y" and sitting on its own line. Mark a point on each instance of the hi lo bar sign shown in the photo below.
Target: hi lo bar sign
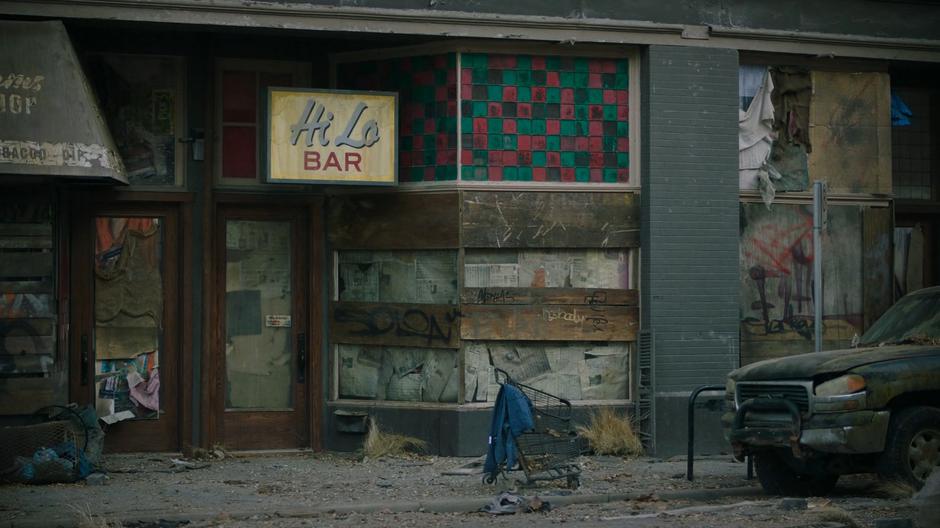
{"x": 317, "y": 136}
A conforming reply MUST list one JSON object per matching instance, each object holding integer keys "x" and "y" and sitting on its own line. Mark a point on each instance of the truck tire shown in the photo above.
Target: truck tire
{"x": 778, "y": 478}
{"x": 912, "y": 449}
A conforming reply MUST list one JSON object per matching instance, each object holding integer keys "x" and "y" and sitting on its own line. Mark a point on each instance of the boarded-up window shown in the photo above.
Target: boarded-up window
{"x": 396, "y": 325}
{"x": 427, "y": 277}
{"x": 776, "y": 294}
{"x": 27, "y": 304}
{"x": 397, "y": 373}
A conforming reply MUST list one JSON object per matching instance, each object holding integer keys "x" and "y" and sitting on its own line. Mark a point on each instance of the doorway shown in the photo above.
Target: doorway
{"x": 261, "y": 371}
{"x": 125, "y": 335}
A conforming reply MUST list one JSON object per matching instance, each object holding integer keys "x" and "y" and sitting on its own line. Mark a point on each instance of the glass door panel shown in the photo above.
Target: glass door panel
{"x": 128, "y": 316}
{"x": 258, "y": 315}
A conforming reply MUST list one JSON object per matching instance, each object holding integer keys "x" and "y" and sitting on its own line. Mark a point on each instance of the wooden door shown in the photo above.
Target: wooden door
{"x": 260, "y": 369}
{"x": 124, "y": 342}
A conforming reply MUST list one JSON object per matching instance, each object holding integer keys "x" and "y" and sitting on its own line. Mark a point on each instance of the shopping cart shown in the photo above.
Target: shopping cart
{"x": 551, "y": 449}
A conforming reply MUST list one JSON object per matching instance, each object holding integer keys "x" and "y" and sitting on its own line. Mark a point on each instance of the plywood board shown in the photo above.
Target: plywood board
{"x": 877, "y": 252}
{"x": 27, "y": 264}
{"x": 40, "y": 285}
{"x": 507, "y": 219}
{"x": 776, "y": 271}
{"x": 571, "y": 296}
{"x": 850, "y": 129}
{"x": 393, "y": 220}
{"x": 549, "y": 322}
{"x": 26, "y": 305}
{"x": 27, "y": 336}
{"x": 26, "y": 395}
{"x": 406, "y": 325}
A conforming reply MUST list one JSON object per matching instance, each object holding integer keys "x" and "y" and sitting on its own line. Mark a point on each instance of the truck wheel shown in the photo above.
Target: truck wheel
{"x": 777, "y": 478}
{"x": 912, "y": 449}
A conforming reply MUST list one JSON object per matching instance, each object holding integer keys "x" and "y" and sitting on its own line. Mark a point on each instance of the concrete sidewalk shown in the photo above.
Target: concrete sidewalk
{"x": 147, "y": 488}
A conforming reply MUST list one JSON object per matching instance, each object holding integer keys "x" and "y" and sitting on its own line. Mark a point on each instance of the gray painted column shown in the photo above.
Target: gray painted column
{"x": 689, "y": 262}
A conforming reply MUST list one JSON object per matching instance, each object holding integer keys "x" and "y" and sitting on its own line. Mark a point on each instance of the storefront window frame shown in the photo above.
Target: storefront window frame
{"x": 598, "y": 51}
{"x": 301, "y": 73}
{"x": 181, "y": 130}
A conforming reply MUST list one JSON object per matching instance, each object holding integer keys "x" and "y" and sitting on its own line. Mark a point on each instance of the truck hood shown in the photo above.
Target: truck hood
{"x": 806, "y": 366}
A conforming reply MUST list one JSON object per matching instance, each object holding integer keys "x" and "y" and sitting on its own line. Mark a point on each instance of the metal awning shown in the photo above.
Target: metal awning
{"x": 50, "y": 123}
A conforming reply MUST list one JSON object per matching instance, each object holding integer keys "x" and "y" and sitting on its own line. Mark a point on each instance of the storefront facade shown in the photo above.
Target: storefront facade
{"x": 568, "y": 210}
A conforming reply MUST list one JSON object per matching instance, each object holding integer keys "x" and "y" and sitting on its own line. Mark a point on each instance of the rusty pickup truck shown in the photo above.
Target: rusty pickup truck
{"x": 873, "y": 408}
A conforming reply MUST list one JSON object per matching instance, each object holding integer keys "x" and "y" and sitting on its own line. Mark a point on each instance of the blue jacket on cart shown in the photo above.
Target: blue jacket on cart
{"x": 512, "y": 415}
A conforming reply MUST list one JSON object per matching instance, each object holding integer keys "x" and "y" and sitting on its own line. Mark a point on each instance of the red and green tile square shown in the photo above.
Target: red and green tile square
{"x": 518, "y": 117}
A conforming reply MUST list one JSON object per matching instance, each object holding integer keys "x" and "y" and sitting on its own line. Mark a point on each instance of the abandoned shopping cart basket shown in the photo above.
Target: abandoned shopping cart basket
{"x": 550, "y": 450}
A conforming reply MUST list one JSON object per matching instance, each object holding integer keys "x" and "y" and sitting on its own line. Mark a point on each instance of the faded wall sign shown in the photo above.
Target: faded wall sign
{"x": 50, "y": 123}
{"x": 328, "y": 136}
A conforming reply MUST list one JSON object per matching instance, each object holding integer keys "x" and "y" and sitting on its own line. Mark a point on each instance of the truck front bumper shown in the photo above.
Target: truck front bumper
{"x": 855, "y": 432}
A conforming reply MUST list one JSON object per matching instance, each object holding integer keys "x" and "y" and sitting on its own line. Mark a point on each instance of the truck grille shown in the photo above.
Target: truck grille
{"x": 794, "y": 393}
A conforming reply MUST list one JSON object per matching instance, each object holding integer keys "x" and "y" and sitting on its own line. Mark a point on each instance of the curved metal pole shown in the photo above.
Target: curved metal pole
{"x": 691, "y": 425}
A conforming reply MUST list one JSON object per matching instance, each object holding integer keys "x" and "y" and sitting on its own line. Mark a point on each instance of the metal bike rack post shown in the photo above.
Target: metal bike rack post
{"x": 691, "y": 425}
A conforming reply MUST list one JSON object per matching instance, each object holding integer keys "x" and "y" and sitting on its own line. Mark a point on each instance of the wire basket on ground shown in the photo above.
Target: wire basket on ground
{"x": 50, "y": 451}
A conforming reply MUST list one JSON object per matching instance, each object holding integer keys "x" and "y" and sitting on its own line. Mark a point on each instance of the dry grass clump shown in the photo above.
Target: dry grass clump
{"x": 610, "y": 433}
{"x": 381, "y": 444}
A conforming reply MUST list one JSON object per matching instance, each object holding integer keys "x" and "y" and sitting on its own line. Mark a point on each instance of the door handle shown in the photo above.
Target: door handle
{"x": 84, "y": 360}
{"x": 301, "y": 358}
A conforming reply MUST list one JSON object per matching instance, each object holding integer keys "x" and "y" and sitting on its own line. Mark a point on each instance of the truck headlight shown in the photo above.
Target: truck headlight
{"x": 848, "y": 384}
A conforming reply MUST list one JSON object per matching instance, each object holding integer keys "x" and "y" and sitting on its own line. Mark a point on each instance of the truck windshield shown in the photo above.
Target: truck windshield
{"x": 914, "y": 319}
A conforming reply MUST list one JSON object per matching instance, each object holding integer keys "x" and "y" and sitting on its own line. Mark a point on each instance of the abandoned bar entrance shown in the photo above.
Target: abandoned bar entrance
{"x": 262, "y": 374}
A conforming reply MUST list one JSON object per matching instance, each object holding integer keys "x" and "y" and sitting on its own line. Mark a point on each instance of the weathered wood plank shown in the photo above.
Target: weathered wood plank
{"x": 26, "y": 264}
{"x": 27, "y": 336}
{"x": 393, "y": 221}
{"x": 507, "y": 219}
{"x": 551, "y": 323}
{"x": 42, "y": 285}
{"x": 26, "y": 242}
{"x": 571, "y": 296}
{"x": 877, "y": 279}
{"x": 27, "y": 345}
{"x": 26, "y": 305}
{"x": 26, "y": 364}
{"x": 26, "y": 395}
{"x": 17, "y": 229}
{"x": 417, "y": 325}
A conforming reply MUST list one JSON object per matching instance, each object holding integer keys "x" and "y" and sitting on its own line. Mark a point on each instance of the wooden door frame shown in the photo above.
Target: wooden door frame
{"x": 213, "y": 380}
{"x": 84, "y": 204}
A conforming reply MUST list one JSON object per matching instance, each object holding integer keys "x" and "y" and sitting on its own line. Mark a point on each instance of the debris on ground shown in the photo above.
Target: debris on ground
{"x": 507, "y": 503}
{"x": 926, "y": 502}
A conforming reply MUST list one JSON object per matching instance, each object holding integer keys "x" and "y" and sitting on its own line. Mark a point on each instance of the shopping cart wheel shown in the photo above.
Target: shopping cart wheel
{"x": 574, "y": 482}
{"x": 489, "y": 479}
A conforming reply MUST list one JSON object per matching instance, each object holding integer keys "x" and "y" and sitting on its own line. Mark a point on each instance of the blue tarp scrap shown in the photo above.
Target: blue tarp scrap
{"x": 900, "y": 112}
